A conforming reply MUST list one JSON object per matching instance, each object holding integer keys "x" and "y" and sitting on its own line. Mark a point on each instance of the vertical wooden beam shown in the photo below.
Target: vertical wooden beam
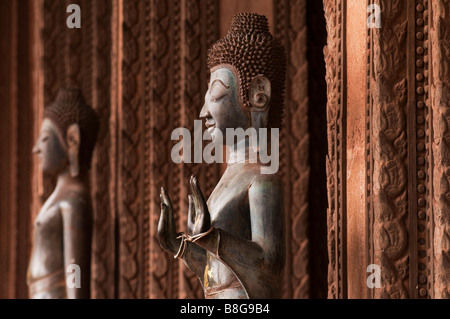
{"x": 8, "y": 31}
{"x": 419, "y": 147}
{"x": 335, "y": 57}
{"x": 17, "y": 88}
{"x": 369, "y": 213}
{"x": 439, "y": 251}
{"x": 390, "y": 150}
{"x": 356, "y": 147}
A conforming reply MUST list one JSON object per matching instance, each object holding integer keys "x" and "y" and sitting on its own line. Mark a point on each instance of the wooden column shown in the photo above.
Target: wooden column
{"x": 17, "y": 88}
{"x": 438, "y": 222}
{"x": 335, "y": 57}
{"x": 400, "y": 134}
{"x": 355, "y": 152}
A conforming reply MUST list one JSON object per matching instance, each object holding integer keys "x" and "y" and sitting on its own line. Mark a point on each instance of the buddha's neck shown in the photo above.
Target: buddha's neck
{"x": 65, "y": 178}
{"x": 242, "y": 152}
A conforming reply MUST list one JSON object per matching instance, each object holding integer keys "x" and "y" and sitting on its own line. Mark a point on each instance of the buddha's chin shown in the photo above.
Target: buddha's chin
{"x": 212, "y": 131}
{"x": 48, "y": 169}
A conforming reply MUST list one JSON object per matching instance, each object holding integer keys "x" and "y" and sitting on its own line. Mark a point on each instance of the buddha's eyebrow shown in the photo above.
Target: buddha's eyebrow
{"x": 220, "y": 81}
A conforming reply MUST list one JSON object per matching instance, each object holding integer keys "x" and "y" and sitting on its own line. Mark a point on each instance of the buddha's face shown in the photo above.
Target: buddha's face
{"x": 222, "y": 109}
{"x": 50, "y": 150}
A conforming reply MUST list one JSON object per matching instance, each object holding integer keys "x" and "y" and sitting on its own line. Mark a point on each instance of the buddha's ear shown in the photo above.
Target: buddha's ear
{"x": 73, "y": 148}
{"x": 260, "y": 92}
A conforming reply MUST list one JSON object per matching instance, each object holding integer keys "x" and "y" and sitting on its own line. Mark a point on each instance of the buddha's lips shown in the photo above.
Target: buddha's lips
{"x": 210, "y": 124}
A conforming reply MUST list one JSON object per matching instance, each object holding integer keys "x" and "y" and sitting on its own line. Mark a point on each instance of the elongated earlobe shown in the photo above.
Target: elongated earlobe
{"x": 73, "y": 148}
{"x": 260, "y": 93}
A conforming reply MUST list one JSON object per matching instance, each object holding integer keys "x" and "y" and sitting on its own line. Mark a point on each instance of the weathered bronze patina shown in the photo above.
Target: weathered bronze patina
{"x": 235, "y": 242}
{"x": 63, "y": 227}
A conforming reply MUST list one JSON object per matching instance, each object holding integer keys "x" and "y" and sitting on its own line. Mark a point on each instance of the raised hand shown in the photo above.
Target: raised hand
{"x": 199, "y": 219}
{"x": 166, "y": 226}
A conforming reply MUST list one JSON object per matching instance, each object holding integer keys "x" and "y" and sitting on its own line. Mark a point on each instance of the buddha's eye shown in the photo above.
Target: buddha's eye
{"x": 218, "y": 93}
{"x": 45, "y": 138}
{"x": 217, "y": 99}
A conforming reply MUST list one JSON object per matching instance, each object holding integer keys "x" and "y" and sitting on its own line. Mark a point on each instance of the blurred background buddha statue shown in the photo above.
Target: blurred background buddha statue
{"x": 235, "y": 242}
{"x": 61, "y": 254}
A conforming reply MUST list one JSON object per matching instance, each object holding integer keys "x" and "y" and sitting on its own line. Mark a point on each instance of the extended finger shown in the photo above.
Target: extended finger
{"x": 163, "y": 224}
{"x": 166, "y": 199}
{"x": 163, "y": 219}
{"x": 199, "y": 200}
{"x": 191, "y": 212}
{"x": 191, "y": 216}
{"x": 165, "y": 230}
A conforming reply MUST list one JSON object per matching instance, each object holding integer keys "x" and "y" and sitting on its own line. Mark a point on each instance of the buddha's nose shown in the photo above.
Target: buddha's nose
{"x": 204, "y": 113}
{"x": 36, "y": 149}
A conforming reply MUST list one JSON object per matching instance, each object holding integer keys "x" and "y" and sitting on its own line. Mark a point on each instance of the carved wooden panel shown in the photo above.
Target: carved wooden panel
{"x": 334, "y": 53}
{"x": 407, "y": 92}
{"x": 398, "y": 150}
{"x": 439, "y": 121}
{"x": 291, "y": 29}
{"x": 390, "y": 154}
{"x": 369, "y": 253}
{"x": 130, "y": 158}
{"x": 419, "y": 147}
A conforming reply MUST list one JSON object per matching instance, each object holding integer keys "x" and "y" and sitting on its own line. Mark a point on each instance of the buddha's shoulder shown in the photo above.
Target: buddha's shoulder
{"x": 258, "y": 175}
{"x": 75, "y": 202}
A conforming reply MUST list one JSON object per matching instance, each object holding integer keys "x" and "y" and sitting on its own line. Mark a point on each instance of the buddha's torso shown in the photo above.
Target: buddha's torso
{"x": 46, "y": 273}
{"x": 229, "y": 209}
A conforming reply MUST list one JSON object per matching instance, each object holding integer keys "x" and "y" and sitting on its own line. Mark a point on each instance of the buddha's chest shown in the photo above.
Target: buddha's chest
{"x": 48, "y": 223}
{"x": 229, "y": 206}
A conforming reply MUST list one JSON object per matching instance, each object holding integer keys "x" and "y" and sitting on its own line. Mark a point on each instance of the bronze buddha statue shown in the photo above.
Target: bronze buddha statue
{"x": 235, "y": 242}
{"x": 63, "y": 228}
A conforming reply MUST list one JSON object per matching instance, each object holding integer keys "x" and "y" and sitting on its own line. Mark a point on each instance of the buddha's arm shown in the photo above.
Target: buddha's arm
{"x": 195, "y": 259}
{"x": 194, "y": 256}
{"x": 77, "y": 243}
{"x": 266, "y": 250}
